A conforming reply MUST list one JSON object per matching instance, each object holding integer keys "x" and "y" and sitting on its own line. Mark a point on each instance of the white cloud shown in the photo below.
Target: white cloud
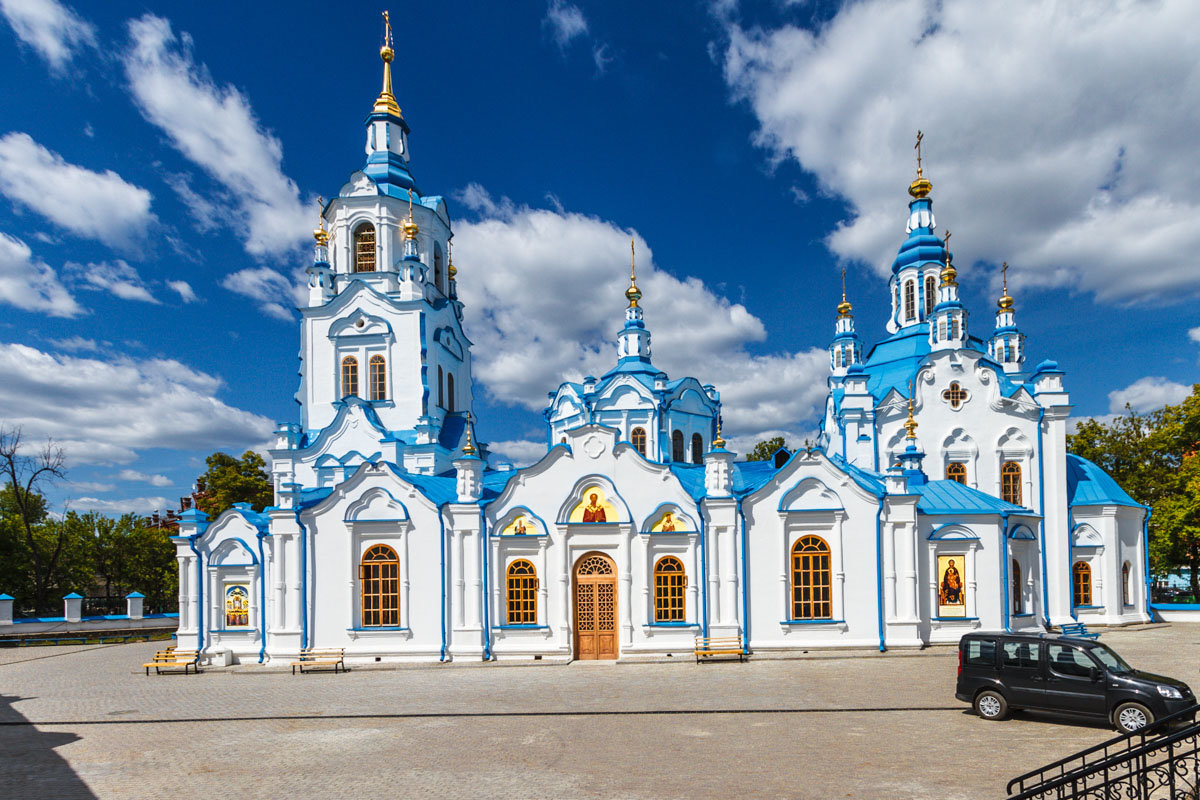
{"x": 1148, "y": 394}
{"x": 521, "y": 452}
{"x": 29, "y": 283}
{"x": 116, "y": 277}
{"x": 526, "y": 346}
{"x": 142, "y": 477}
{"x": 104, "y": 411}
{"x": 1194, "y": 335}
{"x": 89, "y": 486}
{"x": 78, "y": 344}
{"x": 1052, "y": 144}
{"x": 206, "y": 215}
{"x": 215, "y": 127}
{"x": 184, "y": 289}
{"x": 96, "y": 205}
{"x": 275, "y": 294}
{"x": 127, "y": 505}
{"x": 565, "y": 22}
{"x": 49, "y": 27}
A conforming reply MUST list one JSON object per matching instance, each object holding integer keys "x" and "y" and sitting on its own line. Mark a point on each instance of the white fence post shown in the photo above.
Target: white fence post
{"x": 73, "y": 607}
{"x": 133, "y": 604}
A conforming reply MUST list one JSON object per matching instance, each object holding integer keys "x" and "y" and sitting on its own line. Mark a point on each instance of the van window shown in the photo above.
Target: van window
{"x": 1070, "y": 661}
{"x": 1022, "y": 655}
{"x": 981, "y": 653}
{"x": 1111, "y": 660}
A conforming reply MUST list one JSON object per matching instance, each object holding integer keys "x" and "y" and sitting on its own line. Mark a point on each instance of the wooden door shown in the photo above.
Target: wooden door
{"x": 595, "y": 608}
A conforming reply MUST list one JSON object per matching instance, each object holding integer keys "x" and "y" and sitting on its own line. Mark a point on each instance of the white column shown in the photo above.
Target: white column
{"x": 931, "y": 589}
{"x": 625, "y": 586}
{"x": 728, "y": 537}
{"x": 474, "y": 591}
{"x": 543, "y": 589}
{"x": 564, "y": 581}
{"x": 216, "y": 615}
{"x": 457, "y": 581}
{"x": 839, "y": 571}
{"x": 693, "y": 584}
{"x": 907, "y": 557}
{"x": 644, "y": 612}
{"x": 889, "y": 571}
{"x": 972, "y": 580}
{"x": 715, "y": 609}
{"x": 185, "y": 618}
{"x": 293, "y": 598}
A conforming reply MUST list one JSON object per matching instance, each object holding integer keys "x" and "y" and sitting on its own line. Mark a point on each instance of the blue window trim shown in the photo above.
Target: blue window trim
{"x": 955, "y": 619}
{"x": 524, "y": 627}
{"x": 1026, "y": 614}
{"x": 671, "y": 625}
{"x": 380, "y": 628}
{"x": 1088, "y": 608}
{"x": 249, "y": 629}
{"x": 812, "y": 622}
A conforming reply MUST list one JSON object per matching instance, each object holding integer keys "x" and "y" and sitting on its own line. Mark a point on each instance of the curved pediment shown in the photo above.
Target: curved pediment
{"x": 376, "y": 505}
{"x": 360, "y": 323}
{"x": 359, "y": 184}
{"x": 449, "y": 341}
{"x": 232, "y": 553}
{"x": 626, "y": 396}
{"x": 810, "y": 494}
{"x": 1085, "y": 535}
{"x": 692, "y": 401}
{"x": 1014, "y": 444}
{"x": 669, "y": 518}
{"x": 953, "y": 531}
{"x": 593, "y": 500}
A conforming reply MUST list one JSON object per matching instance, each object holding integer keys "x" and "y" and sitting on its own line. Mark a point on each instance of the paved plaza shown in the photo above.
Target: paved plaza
{"x": 86, "y": 722}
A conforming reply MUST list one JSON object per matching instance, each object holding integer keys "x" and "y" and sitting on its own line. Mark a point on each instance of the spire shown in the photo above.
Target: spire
{"x": 844, "y": 308}
{"x": 846, "y": 348}
{"x": 1007, "y": 345}
{"x": 948, "y": 322}
{"x": 633, "y": 342}
{"x": 386, "y": 102}
{"x": 320, "y": 274}
{"x": 949, "y": 273}
{"x": 469, "y": 447}
{"x": 1006, "y": 302}
{"x": 719, "y": 442}
{"x": 320, "y": 234}
{"x": 451, "y": 269}
{"x": 921, "y": 187}
{"x": 910, "y": 424}
{"x": 633, "y": 292}
{"x": 410, "y": 233}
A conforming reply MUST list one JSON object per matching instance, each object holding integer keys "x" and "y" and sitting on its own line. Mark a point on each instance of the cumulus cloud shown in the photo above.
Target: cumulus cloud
{"x": 78, "y": 344}
{"x": 54, "y": 30}
{"x": 184, "y": 289}
{"x": 215, "y": 128}
{"x": 116, "y": 277}
{"x": 1194, "y": 334}
{"x": 1148, "y": 394}
{"x": 1052, "y": 143}
{"x": 95, "y": 205}
{"x": 565, "y": 22}
{"x": 521, "y": 452}
{"x": 276, "y": 295}
{"x": 526, "y": 346}
{"x": 105, "y": 411}
{"x": 29, "y": 283}
{"x": 126, "y": 505}
{"x": 134, "y": 476}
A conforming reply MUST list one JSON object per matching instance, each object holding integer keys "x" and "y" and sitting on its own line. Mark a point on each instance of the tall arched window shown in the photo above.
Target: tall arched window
{"x": 441, "y": 395}
{"x": 638, "y": 437}
{"x": 930, "y": 294}
{"x": 910, "y": 300}
{"x": 449, "y": 392}
{"x": 956, "y": 471}
{"x": 377, "y": 369}
{"x": 954, "y": 327}
{"x": 1081, "y": 582}
{"x": 1018, "y": 605}
{"x": 677, "y": 453}
{"x": 812, "y": 592}
{"x": 1126, "y": 594}
{"x": 364, "y": 248}
{"x": 521, "y": 593}
{"x": 669, "y": 582}
{"x": 437, "y": 268}
{"x": 379, "y": 580}
{"x": 697, "y": 449}
{"x": 349, "y": 376}
{"x": 1010, "y": 482}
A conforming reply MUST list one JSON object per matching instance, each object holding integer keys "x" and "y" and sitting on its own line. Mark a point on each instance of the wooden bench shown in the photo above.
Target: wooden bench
{"x": 317, "y": 658}
{"x": 173, "y": 659}
{"x": 1077, "y": 629}
{"x": 708, "y": 647}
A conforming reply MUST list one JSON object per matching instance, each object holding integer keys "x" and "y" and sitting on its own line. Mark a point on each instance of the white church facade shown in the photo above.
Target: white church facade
{"x": 939, "y": 499}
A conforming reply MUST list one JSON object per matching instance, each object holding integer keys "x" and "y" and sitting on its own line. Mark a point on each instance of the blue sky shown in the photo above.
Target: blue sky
{"x": 159, "y": 164}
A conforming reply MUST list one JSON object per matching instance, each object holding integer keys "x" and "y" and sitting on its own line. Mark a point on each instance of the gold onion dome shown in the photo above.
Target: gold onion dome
{"x": 910, "y": 424}
{"x": 844, "y": 308}
{"x": 322, "y": 236}
{"x": 921, "y": 187}
{"x": 410, "y": 229}
{"x": 469, "y": 447}
{"x": 386, "y": 102}
{"x": 450, "y": 268}
{"x": 1006, "y": 302}
{"x": 719, "y": 442}
{"x": 949, "y": 274}
{"x": 633, "y": 293}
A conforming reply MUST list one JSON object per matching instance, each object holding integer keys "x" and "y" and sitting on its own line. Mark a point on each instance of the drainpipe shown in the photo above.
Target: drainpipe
{"x": 1146, "y": 556}
{"x": 1042, "y": 522}
{"x": 442, "y": 517}
{"x": 1071, "y": 563}
{"x": 1004, "y": 569}
{"x": 745, "y": 576}
{"x": 703, "y": 568}
{"x": 487, "y": 594}
{"x": 303, "y": 582}
{"x": 879, "y": 574}
{"x": 199, "y": 596}
{"x": 262, "y": 598}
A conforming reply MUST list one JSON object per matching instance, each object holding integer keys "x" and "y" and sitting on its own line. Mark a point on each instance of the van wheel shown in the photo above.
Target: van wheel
{"x": 1130, "y": 717}
{"x": 991, "y": 705}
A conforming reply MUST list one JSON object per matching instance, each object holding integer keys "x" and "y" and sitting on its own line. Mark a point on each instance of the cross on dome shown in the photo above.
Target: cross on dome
{"x": 386, "y": 102}
{"x": 633, "y": 293}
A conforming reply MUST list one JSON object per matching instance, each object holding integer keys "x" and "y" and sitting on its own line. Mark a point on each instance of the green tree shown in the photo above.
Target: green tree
{"x": 133, "y": 556}
{"x": 40, "y": 541}
{"x": 229, "y": 480}
{"x": 766, "y": 449}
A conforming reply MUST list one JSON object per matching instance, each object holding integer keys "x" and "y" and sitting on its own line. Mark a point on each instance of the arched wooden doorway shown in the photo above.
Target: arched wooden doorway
{"x": 595, "y": 607}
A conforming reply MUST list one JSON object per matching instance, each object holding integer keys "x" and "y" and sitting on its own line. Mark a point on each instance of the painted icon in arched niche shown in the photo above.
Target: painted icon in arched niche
{"x": 237, "y": 606}
{"x": 595, "y": 507}
{"x": 952, "y": 592}
{"x": 522, "y": 525}
{"x": 669, "y": 522}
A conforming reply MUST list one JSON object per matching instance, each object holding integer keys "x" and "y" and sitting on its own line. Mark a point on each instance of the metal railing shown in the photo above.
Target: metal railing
{"x": 1159, "y": 762}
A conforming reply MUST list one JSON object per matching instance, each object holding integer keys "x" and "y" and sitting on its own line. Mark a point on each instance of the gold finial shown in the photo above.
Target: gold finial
{"x": 386, "y": 102}
{"x": 844, "y": 308}
{"x": 910, "y": 425}
{"x": 949, "y": 273}
{"x": 633, "y": 292}
{"x": 469, "y": 447}
{"x": 410, "y": 227}
{"x": 451, "y": 268}
{"x": 1006, "y": 302}
{"x": 718, "y": 443}
{"x": 320, "y": 234}
{"x": 921, "y": 187}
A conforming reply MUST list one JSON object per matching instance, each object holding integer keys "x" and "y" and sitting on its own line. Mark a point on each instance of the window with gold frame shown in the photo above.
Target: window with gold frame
{"x": 930, "y": 294}
{"x": 812, "y": 585}
{"x": 521, "y": 589}
{"x": 379, "y": 582}
{"x": 349, "y": 376}
{"x": 670, "y": 581}
{"x": 637, "y": 438}
{"x": 910, "y": 300}
{"x": 364, "y": 248}
{"x": 377, "y": 369}
{"x": 1081, "y": 582}
{"x": 1010, "y": 482}
{"x": 956, "y": 471}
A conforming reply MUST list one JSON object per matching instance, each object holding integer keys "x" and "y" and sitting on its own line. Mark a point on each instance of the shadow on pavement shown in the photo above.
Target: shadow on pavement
{"x": 31, "y": 767}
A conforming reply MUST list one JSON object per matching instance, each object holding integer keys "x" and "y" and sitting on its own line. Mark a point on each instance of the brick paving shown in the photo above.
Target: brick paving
{"x": 830, "y": 725}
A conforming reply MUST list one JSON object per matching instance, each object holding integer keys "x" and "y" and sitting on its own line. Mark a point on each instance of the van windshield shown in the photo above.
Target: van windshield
{"x": 1112, "y": 662}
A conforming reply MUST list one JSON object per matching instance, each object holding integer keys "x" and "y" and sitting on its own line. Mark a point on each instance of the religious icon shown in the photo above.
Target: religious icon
{"x": 952, "y": 593}
{"x": 520, "y": 529}
{"x": 237, "y": 606}
{"x": 594, "y": 512}
{"x": 594, "y": 507}
{"x": 668, "y": 522}
{"x": 521, "y": 526}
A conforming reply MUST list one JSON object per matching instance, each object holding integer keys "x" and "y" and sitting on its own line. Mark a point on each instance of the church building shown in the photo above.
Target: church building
{"x": 938, "y": 500}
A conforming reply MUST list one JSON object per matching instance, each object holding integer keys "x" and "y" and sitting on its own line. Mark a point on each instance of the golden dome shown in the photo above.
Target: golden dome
{"x": 844, "y": 308}
{"x": 1006, "y": 302}
{"x": 322, "y": 236}
{"x": 718, "y": 443}
{"x": 410, "y": 229}
{"x": 919, "y": 188}
{"x": 633, "y": 293}
{"x": 910, "y": 424}
{"x": 386, "y": 102}
{"x": 949, "y": 275}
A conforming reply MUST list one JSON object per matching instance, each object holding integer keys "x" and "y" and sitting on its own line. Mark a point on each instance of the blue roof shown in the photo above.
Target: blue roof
{"x": 952, "y": 497}
{"x": 750, "y": 476}
{"x": 691, "y": 477}
{"x": 259, "y": 520}
{"x": 865, "y": 478}
{"x": 1088, "y": 485}
{"x": 453, "y": 427}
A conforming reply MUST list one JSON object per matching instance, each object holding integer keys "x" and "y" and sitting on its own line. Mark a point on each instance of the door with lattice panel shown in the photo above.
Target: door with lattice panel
{"x": 595, "y": 608}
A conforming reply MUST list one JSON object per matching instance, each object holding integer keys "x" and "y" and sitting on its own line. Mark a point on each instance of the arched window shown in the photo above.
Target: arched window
{"x": 941, "y": 331}
{"x": 669, "y": 582}
{"x": 364, "y": 248}
{"x": 1125, "y": 588}
{"x": 812, "y": 594}
{"x": 377, "y": 368}
{"x": 521, "y": 593}
{"x": 1010, "y": 482}
{"x": 954, "y": 327}
{"x": 930, "y": 294}
{"x": 910, "y": 300}
{"x": 1017, "y": 595}
{"x": 956, "y": 471}
{"x": 349, "y": 376}
{"x": 449, "y": 392}
{"x": 441, "y": 395}
{"x": 437, "y": 268}
{"x": 677, "y": 446}
{"x": 1081, "y": 575}
{"x": 697, "y": 449}
{"x": 379, "y": 580}
{"x": 638, "y": 437}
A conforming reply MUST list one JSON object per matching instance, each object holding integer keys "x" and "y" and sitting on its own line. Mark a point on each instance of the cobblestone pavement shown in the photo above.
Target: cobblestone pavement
{"x": 86, "y": 722}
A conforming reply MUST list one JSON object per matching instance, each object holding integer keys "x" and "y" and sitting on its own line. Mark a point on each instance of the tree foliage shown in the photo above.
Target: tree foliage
{"x": 229, "y": 480}
{"x": 40, "y": 541}
{"x": 766, "y": 448}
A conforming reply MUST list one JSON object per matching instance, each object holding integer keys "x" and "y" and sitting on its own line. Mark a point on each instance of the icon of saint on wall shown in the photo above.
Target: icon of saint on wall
{"x": 952, "y": 586}
{"x": 593, "y": 511}
{"x": 668, "y": 522}
{"x": 237, "y": 607}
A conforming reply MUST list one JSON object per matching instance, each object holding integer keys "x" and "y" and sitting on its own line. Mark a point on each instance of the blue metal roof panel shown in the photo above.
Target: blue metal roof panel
{"x": 952, "y": 497}
{"x": 1089, "y": 485}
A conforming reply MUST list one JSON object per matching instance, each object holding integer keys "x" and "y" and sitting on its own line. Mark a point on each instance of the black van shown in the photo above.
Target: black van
{"x": 999, "y": 672}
